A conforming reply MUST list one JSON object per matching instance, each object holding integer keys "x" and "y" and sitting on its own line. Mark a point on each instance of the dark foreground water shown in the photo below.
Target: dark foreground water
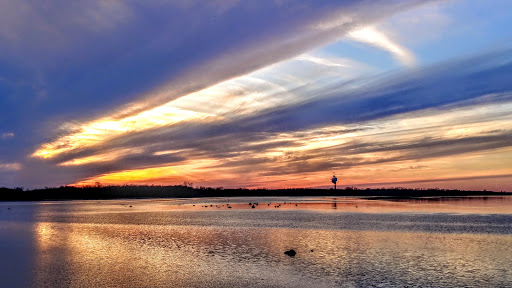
{"x": 343, "y": 242}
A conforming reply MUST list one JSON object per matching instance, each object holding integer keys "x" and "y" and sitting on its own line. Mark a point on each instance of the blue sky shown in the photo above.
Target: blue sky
{"x": 256, "y": 94}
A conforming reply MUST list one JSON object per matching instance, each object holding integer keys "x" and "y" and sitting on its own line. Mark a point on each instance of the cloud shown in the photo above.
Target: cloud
{"x": 7, "y": 135}
{"x": 161, "y": 93}
{"x": 239, "y": 97}
{"x": 82, "y": 61}
{"x": 372, "y": 36}
{"x": 423, "y": 23}
{"x": 321, "y": 61}
{"x": 10, "y": 166}
{"x": 443, "y": 84}
{"x": 397, "y": 121}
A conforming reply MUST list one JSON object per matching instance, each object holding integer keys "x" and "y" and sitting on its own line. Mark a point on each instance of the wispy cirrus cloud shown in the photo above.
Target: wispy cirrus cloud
{"x": 304, "y": 129}
{"x": 372, "y": 36}
{"x": 120, "y": 58}
{"x": 80, "y": 62}
{"x": 227, "y": 101}
{"x": 7, "y": 135}
{"x": 10, "y": 166}
{"x": 162, "y": 94}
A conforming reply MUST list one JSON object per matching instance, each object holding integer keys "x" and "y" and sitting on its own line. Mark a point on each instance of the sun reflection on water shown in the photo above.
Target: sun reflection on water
{"x": 150, "y": 245}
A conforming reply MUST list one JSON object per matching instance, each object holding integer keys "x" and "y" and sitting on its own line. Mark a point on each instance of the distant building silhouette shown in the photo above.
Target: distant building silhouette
{"x": 334, "y": 180}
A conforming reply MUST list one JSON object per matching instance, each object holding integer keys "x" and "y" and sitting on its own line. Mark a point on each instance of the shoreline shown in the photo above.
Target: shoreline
{"x": 69, "y": 193}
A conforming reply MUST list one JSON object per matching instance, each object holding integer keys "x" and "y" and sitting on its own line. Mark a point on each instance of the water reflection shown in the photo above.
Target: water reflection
{"x": 162, "y": 244}
{"x": 122, "y": 255}
{"x": 15, "y": 253}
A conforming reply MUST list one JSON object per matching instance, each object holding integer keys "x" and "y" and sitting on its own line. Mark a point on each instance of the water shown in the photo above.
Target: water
{"x": 340, "y": 242}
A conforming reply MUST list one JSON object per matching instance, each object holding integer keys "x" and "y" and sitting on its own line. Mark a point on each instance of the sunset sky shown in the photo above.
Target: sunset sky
{"x": 274, "y": 94}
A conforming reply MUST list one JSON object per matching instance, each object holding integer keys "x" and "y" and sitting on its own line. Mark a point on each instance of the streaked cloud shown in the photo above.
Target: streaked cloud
{"x": 233, "y": 99}
{"x": 102, "y": 157}
{"x": 7, "y": 135}
{"x": 321, "y": 61}
{"x": 158, "y": 93}
{"x": 101, "y": 130}
{"x": 372, "y": 36}
{"x": 448, "y": 136}
{"x": 10, "y": 166}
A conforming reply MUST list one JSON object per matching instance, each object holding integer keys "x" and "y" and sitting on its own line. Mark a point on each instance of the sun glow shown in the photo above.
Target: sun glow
{"x": 371, "y": 152}
{"x": 155, "y": 175}
{"x": 104, "y": 129}
{"x": 234, "y": 98}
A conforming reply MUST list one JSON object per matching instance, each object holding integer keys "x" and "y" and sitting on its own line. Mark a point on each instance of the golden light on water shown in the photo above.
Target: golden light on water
{"x": 44, "y": 231}
{"x": 187, "y": 242}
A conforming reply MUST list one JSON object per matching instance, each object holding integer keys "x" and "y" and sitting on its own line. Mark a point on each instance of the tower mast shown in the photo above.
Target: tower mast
{"x": 334, "y": 180}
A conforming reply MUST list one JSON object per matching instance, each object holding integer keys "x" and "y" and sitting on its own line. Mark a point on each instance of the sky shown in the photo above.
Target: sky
{"x": 274, "y": 94}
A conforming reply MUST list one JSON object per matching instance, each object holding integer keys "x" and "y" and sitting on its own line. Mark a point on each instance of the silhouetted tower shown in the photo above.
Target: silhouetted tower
{"x": 334, "y": 180}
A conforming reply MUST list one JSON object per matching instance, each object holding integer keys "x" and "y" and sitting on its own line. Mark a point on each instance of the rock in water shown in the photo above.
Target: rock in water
{"x": 290, "y": 253}
{"x": 253, "y": 206}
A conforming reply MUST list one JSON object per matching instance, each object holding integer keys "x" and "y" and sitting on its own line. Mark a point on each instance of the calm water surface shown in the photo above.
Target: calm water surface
{"x": 340, "y": 242}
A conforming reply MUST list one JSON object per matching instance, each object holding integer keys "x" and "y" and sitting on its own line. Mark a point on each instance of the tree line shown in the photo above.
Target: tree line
{"x": 98, "y": 192}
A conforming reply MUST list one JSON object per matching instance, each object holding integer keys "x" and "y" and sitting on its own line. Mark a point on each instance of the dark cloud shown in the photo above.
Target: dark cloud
{"x": 446, "y": 85}
{"x": 84, "y": 59}
{"x": 84, "y": 64}
{"x": 63, "y": 61}
{"x": 241, "y": 142}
